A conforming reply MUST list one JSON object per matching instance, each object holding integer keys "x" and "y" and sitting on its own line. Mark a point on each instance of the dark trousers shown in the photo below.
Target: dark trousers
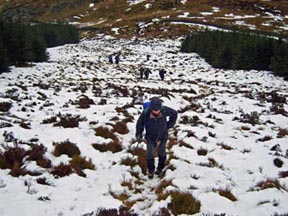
{"x": 152, "y": 150}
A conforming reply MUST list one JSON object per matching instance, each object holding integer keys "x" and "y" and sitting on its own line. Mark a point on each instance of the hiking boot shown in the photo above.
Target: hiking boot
{"x": 150, "y": 175}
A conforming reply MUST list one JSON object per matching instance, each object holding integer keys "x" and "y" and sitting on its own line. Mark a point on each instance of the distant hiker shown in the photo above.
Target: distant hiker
{"x": 117, "y": 58}
{"x": 147, "y": 72}
{"x": 154, "y": 120}
{"x": 110, "y": 58}
{"x": 148, "y": 57}
{"x": 162, "y": 73}
{"x": 142, "y": 69}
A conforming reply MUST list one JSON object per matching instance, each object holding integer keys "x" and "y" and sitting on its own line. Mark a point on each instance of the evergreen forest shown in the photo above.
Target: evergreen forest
{"x": 240, "y": 50}
{"x": 21, "y": 44}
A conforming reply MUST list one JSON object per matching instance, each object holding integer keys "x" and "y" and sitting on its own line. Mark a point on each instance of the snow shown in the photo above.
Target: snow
{"x": 218, "y": 93}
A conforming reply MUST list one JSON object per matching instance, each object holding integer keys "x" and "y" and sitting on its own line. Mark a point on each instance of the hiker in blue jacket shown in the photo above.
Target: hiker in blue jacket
{"x": 154, "y": 120}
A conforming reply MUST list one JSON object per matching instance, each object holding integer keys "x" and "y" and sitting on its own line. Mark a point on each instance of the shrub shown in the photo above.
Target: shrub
{"x": 85, "y": 102}
{"x": 278, "y": 162}
{"x": 69, "y": 121}
{"x": 202, "y": 152}
{"x": 160, "y": 189}
{"x": 67, "y": 148}
{"x": 42, "y": 181}
{"x": 14, "y": 155}
{"x": 44, "y": 162}
{"x": 282, "y": 133}
{"x": 17, "y": 170}
{"x": 253, "y": 118}
{"x": 37, "y": 152}
{"x": 141, "y": 158}
{"x": 278, "y": 109}
{"x": 183, "y": 203}
{"x": 120, "y": 127}
{"x": 113, "y": 146}
{"x": 182, "y": 143}
{"x": 128, "y": 161}
{"x": 5, "y": 106}
{"x": 105, "y": 132}
{"x": 122, "y": 211}
{"x": 224, "y": 146}
{"x": 162, "y": 212}
{"x": 264, "y": 139}
{"x": 226, "y": 193}
{"x": 50, "y": 120}
{"x": 269, "y": 183}
{"x": 62, "y": 170}
{"x": 80, "y": 163}
{"x": 283, "y": 174}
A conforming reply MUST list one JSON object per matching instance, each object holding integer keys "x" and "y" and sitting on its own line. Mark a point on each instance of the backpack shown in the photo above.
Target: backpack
{"x": 146, "y": 105}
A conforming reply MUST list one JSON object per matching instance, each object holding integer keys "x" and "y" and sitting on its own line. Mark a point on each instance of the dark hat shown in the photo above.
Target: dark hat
{"x": 155, "y": 104}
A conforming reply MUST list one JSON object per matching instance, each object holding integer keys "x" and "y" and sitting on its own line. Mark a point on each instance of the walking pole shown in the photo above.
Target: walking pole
{"x": 156, "y": 148}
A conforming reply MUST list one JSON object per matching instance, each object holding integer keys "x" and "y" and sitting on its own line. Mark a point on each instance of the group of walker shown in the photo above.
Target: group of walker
{"x": 145, "y": 72}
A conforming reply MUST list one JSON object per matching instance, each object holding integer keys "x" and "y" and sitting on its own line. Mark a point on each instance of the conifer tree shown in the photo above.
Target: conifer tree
{"x": 4, "y": 61}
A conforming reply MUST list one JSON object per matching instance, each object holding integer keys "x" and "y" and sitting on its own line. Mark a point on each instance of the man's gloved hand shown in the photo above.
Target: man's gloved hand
{"x": 139, "y": 138}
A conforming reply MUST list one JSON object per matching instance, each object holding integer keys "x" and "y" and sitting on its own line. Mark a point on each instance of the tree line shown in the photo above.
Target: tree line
{"x": 21, "y": 44}
{"x": 240, "y": 50}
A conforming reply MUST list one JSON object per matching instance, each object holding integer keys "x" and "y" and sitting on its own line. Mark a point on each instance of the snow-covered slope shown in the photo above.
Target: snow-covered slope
{"x": 223, "y": 140}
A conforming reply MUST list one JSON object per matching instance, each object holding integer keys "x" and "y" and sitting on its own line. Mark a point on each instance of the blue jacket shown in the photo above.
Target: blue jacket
{"x": 156, "y": 127}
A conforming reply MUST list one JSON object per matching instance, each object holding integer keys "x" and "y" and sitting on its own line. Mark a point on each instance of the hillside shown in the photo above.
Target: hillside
{"x": 228, "y": 148}
{"x": 150, "y": 18}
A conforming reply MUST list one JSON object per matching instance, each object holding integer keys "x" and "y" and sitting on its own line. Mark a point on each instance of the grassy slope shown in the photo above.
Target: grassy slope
{"x": 110, "y": 13}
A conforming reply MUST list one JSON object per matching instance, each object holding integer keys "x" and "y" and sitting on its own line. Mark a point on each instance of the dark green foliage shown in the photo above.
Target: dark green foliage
{"x": 4, "y": 61}
{"x": 239, "y": 50}
{"x": 21, "y": 44}
{"x": 57, "y": 34}
{"x": 279, "y": 63}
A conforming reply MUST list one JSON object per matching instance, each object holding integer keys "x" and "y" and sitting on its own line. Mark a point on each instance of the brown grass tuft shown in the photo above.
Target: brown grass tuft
{"x": 183, "y": 203}
{"x": 62, "y": 170}
{"x": 264, "y": 139}
{"x": 282, "y": 133}
{"x": 269, "y": 183}
{"x": 141, "y": 158}
{"x": 114, "y": 146}
{"x": 120, "y": 127}
{"x": 5, "y": 106}
{"x": 182, "y": 143}
{"x": 105, "y": 133}
{"x": 160, "y": 189}
{"x": 67, "y": 148}
{"x": 283, "y": 174}
{"x": 68, "y": 121}
{"x": 224, "y": 146}
{"x": 129, "y": 161}
{"x": 226, "y": 193}
{"x": 202, "y": 152}
{"x": 79, "y": 163}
